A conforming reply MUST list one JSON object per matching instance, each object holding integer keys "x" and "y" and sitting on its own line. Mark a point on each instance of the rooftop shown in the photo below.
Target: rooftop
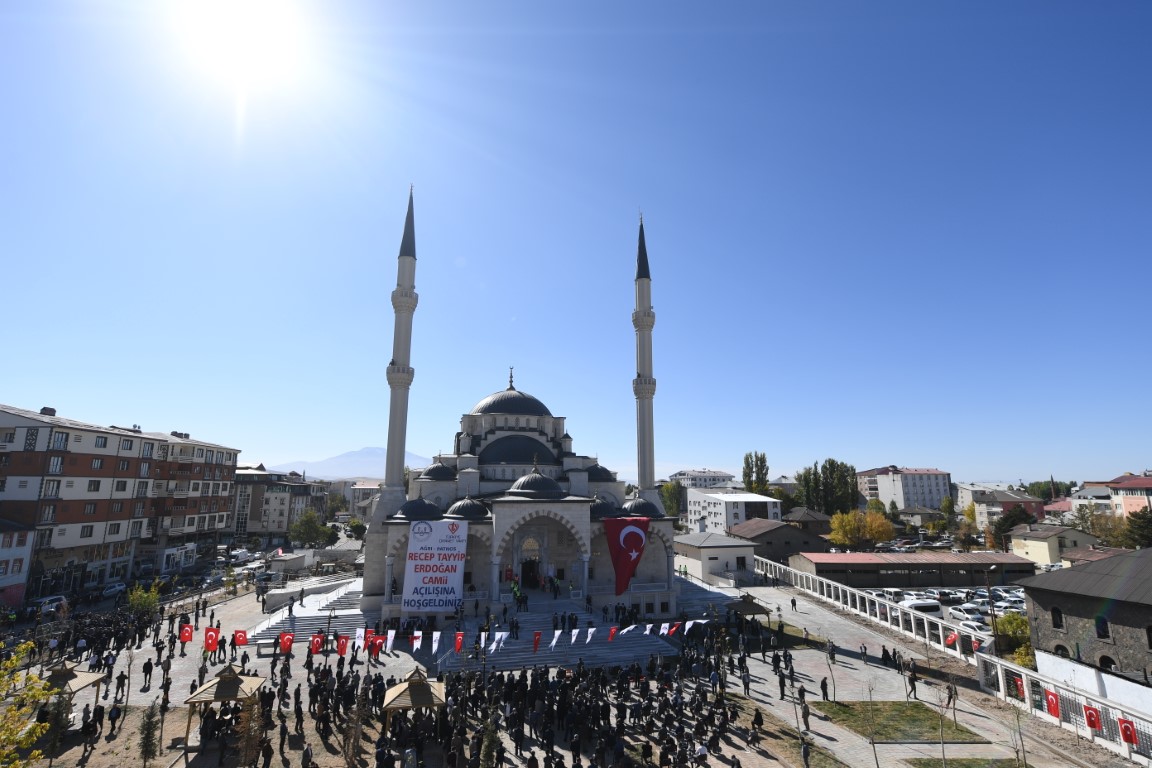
{"x": 1034, "y": 531}
{"x": 1085, "y": 554}
{"x": 915, "y": 558}
{"x": 757, "y": 526}
{"x": 1126, "y": 577}
{"x": 711, "y": 540}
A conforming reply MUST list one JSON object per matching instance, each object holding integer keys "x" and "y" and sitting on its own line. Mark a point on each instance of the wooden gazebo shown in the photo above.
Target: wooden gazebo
{"x": 228, "y": 685}
{"x": 416, "y": 692}
{"x": 69, "y": 679}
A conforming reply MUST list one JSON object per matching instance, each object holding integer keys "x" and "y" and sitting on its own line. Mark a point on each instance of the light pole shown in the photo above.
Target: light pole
{"x": 991, "y": 610}
{"x": 328, "y": 631}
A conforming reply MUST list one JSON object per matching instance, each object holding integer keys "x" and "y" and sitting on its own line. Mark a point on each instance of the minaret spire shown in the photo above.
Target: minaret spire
{"x": 400, "y": 372}
{"x": 644, "y": 385}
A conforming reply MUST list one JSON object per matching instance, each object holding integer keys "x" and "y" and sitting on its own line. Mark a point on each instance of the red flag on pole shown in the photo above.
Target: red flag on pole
{"x": 951, "y": 638}
{"x": 341, "y": 644}
{"x": 1020, "y": 687}
{"x": 1127, "y": 731}
{"x": 378, "y": 642}
{"x": 286, "y": 640}
{"x": 368, "y": 635}
{"x": 626, "y": 539}
{"x": 1052, "y": 703}
{"x": 1092, "y": 718}
{"x": 459, "y": 642}
{"x": 316, "y": 643}
{"x": 185, "y": 633}
{"x": 536, "y": 640}
{"x": 675, "y": 627}
{"x": 240, "y": 637}
{"x": 211, "y": 638}
{"x": 612, "y": 633}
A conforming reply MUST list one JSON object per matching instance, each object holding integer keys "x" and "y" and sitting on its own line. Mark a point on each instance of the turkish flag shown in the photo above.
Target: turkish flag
{"x": 185, "y": 633}
{"x": 286, "y": 640}
{"x": 536, "y": 640}
{"x": 459, "y": 642}
{"x": 378, "y": 642}
{"x": 951, "y": 638}
{"x": 612, "y": 633}
{"x": 316, "y": 643}
{"x": 1020, "y": 687}
{"x": 211, "y": 638}
{"x": 626, "y": 539}
{"x": 368, "y": 635}
{"x": 341, "y": 644}
{"x": 1092, "y": 717}
{"x": 240, "y": 637}
{"x": 1052, "y": 703}
{"x": 1127, "y": 731}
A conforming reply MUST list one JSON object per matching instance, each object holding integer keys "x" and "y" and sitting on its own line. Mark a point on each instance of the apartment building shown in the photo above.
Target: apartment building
{"x": 268, "y": 502}
{"x": 701, "y": 478}
{"x": 108, "y": 503}
{"x": 714, "y": 512}
{"x": 907, "y": 486}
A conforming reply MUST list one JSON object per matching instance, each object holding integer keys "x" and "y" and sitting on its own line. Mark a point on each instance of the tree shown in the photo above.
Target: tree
{"x": 144, "y": 602}
{"x": 308, "y": 530}
{"x": 948, "y": 508}
{"x": 877, "y": 527}
{"x": 969, "y": 512}
{"x": 337, "y": 503}
{"x": 333, "y": 537}
{"x": 1009, "y": 519}
{"x": 22, "y": 693}
{"x": 787, "y": 500}
{"x": 1139, "y": 533}
{"x": 829, "y": 487}
{"x": 755, "y": 473}
{"x": 357, "y": 528}
{"x": 847, "y": 528}
{"x": 1013, "y": 629}
{"x": 875, "y": 505}
{"x": 893, "y": 511}
{"x": 149, "y": 733}
{"x": 672, "y": 495}
{"x": 1049, "y": 489}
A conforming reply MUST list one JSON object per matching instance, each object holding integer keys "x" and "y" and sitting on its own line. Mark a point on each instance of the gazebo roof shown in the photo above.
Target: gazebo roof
{"x": 228, "y": 685}
{"x": 71, "y": 680}
{"x": 747, "y": 606}
{"x": 415, "y": 692}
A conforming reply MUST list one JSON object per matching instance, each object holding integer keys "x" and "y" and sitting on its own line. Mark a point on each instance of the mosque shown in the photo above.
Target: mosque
{"x": 514, "y": 508}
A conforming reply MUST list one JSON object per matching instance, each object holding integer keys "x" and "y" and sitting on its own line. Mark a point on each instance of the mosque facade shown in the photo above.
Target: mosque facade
{"x": 514, "y": 509}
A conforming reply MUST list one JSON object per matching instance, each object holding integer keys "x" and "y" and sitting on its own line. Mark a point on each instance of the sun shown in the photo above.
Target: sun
{"x": 248, "y": 46}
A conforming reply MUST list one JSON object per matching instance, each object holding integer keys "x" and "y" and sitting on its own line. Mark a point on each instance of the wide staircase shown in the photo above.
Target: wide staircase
{"x": 624, "y": 649}
{"x": 345, "y": 619}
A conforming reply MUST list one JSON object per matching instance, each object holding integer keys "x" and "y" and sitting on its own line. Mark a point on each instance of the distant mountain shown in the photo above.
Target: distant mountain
{"x": 366, "y": 462}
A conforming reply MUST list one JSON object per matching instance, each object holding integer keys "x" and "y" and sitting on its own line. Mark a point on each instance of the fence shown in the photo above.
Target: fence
{"x": 1024, "y": 688}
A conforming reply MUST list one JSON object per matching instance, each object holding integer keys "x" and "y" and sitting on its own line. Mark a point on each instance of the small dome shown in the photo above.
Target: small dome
{"x": 513, "y": 402}
{"x": 601, "y": 508}
{"x": 468, "y": 509}
{"x": 641, "y": 508}
{"x": 419, "y": 509}
{"x": 599, "y": 474}
{"x": 438, "y": 471}
{"x": 537, "y": 486}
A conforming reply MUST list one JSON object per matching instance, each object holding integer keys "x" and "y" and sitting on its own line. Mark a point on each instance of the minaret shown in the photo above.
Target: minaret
{"x": 644, "y": 385}
{"x": 379, "y": 567}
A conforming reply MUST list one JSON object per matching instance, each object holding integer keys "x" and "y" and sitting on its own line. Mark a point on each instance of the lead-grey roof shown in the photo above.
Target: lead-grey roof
{"x": 1126, "y": 577}
{"x": 513, "y": 402}
{"x": 711, "y": 540}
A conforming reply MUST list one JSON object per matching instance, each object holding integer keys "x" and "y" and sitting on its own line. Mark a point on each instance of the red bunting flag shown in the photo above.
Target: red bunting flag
{"x": 626, "y": 539}
{"x": 1052, "y": 703}
{"x": 612, "y": 633}
{"x": 341, "y": 644}
{"x": 286, "y": 640}
{"x": 1127, "y": 731}
{"x": 951, "y": 638}
{"x": 417, "y": 639}
{"x": 185, "y": 633}
{"x": 459, "y": 642}
{"x": 536, "y": 640}
{"x": 240, "y": 637}
{"x": 1020, "y": 687}
{"x": 1092, "y": 718}
{"x": 211, "y": 638}
{"x": 675, "y": 627}
{"x": 316, "y": 643}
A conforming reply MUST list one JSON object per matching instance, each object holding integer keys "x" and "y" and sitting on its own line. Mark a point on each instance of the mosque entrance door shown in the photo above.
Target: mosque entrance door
{"x": 530, "y": 563}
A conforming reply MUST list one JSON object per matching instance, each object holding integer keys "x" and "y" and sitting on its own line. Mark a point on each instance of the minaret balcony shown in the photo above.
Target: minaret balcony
{"x": 404, "y": 300}
{"x": 400, "y": 375}
{"x": 643, "y": 319}
{"x": 644, "y": 387}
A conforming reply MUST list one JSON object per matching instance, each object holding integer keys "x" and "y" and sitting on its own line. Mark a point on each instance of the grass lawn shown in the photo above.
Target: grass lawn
{"x": 896, "y": 721}
{"x": 963, "y": 762}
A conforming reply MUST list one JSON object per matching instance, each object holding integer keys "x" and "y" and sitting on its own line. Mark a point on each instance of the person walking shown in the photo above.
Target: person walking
{"x": 780, "y": 679}
{"x": 793, "y": 603}
{"x": 147, "y": 670}
{"x": 805, "y": 713}
{"x": 864, "y": 653}
{"x": 806, "y": 753}
{"x": 113, "y": 717}
{"x": 824, "y": 688}
{"x": 306, "y": 758}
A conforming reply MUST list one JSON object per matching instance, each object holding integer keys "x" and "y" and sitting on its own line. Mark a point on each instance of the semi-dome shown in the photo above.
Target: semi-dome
{"x": 468, "y": 508}
{"x": 641, "y": 508}
{"x": 517, "y": 449}
{"x": 419, "y": 509}
{"x": 536, "y": 486}
{"x": 513, "y": 402}
{"x": 601, "y": 508}
{"x": 599, "y": 474}
{"x": 438, "y": 471}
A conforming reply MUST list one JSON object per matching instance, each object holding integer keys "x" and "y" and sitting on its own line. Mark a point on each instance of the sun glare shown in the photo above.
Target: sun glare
{"x": 247, "y": 45}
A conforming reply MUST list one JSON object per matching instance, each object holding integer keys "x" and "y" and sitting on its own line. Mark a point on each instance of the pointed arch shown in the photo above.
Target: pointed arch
{"x": 510, "y": 534}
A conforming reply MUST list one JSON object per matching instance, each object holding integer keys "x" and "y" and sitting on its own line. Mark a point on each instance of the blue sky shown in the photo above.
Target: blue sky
{"x": 885, "y": 232}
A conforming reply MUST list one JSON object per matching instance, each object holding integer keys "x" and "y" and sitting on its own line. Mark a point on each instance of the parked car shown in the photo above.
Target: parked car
{"x": 966, "y": 612}
{"x": 974, "y": 626}
{"x": 45, "y": 605}
{"x": 113, "y": 589}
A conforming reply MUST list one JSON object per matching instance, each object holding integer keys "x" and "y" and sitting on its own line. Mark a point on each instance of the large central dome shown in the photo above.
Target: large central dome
{"x": 513, "y": 402}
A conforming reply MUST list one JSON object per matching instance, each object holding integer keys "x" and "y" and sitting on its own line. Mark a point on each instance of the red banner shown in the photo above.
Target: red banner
{"x": 378, "y": 642}
{"x": 627, "y": 537}
{"x": 185, "y": 633}
{"x": 286, "y": 640}
{"x": 1127, "y": 731}
{"x": 211, "y": 638}
{"x": 1020, "y": 687}
{"x": 341, "y": 644}
{"x": 368, "y": 635}
{"x": 1052, "y": 703}
{"x": 240, "y": 637}
{"x": 536, "y": 640}
{"x": 612, "y": 633}
{"x": 675, "y": 627}
{"x": 1092, "y": 717}
{"x": 316, "y": 643}
{"x": 459, "y": 642}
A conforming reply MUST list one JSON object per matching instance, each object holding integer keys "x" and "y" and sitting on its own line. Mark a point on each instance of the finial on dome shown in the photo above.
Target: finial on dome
{"x": 510, "y": 384}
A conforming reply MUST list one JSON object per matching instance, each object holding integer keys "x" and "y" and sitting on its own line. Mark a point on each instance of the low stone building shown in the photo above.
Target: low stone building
{"x": 809, "y": 520}
{"x": 777, "y": 540}
{"x": 1044, "y": 544}
{"x": 709, "y": 554}
{"x": 1098, "y": 613}
{"x": 911, "y": 570}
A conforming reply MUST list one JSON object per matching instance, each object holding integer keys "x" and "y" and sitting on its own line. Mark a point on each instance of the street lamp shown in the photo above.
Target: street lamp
{"x": 991, "y": 610}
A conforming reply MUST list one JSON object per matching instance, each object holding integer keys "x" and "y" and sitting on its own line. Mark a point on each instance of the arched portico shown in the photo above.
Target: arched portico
{"x": 539, "y": 547}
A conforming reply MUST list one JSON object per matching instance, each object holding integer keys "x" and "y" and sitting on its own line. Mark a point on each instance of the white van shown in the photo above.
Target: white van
{"x": 893, "y": 594}
{"x": 927, "y": 607}
{"x": 240, "y": 556}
